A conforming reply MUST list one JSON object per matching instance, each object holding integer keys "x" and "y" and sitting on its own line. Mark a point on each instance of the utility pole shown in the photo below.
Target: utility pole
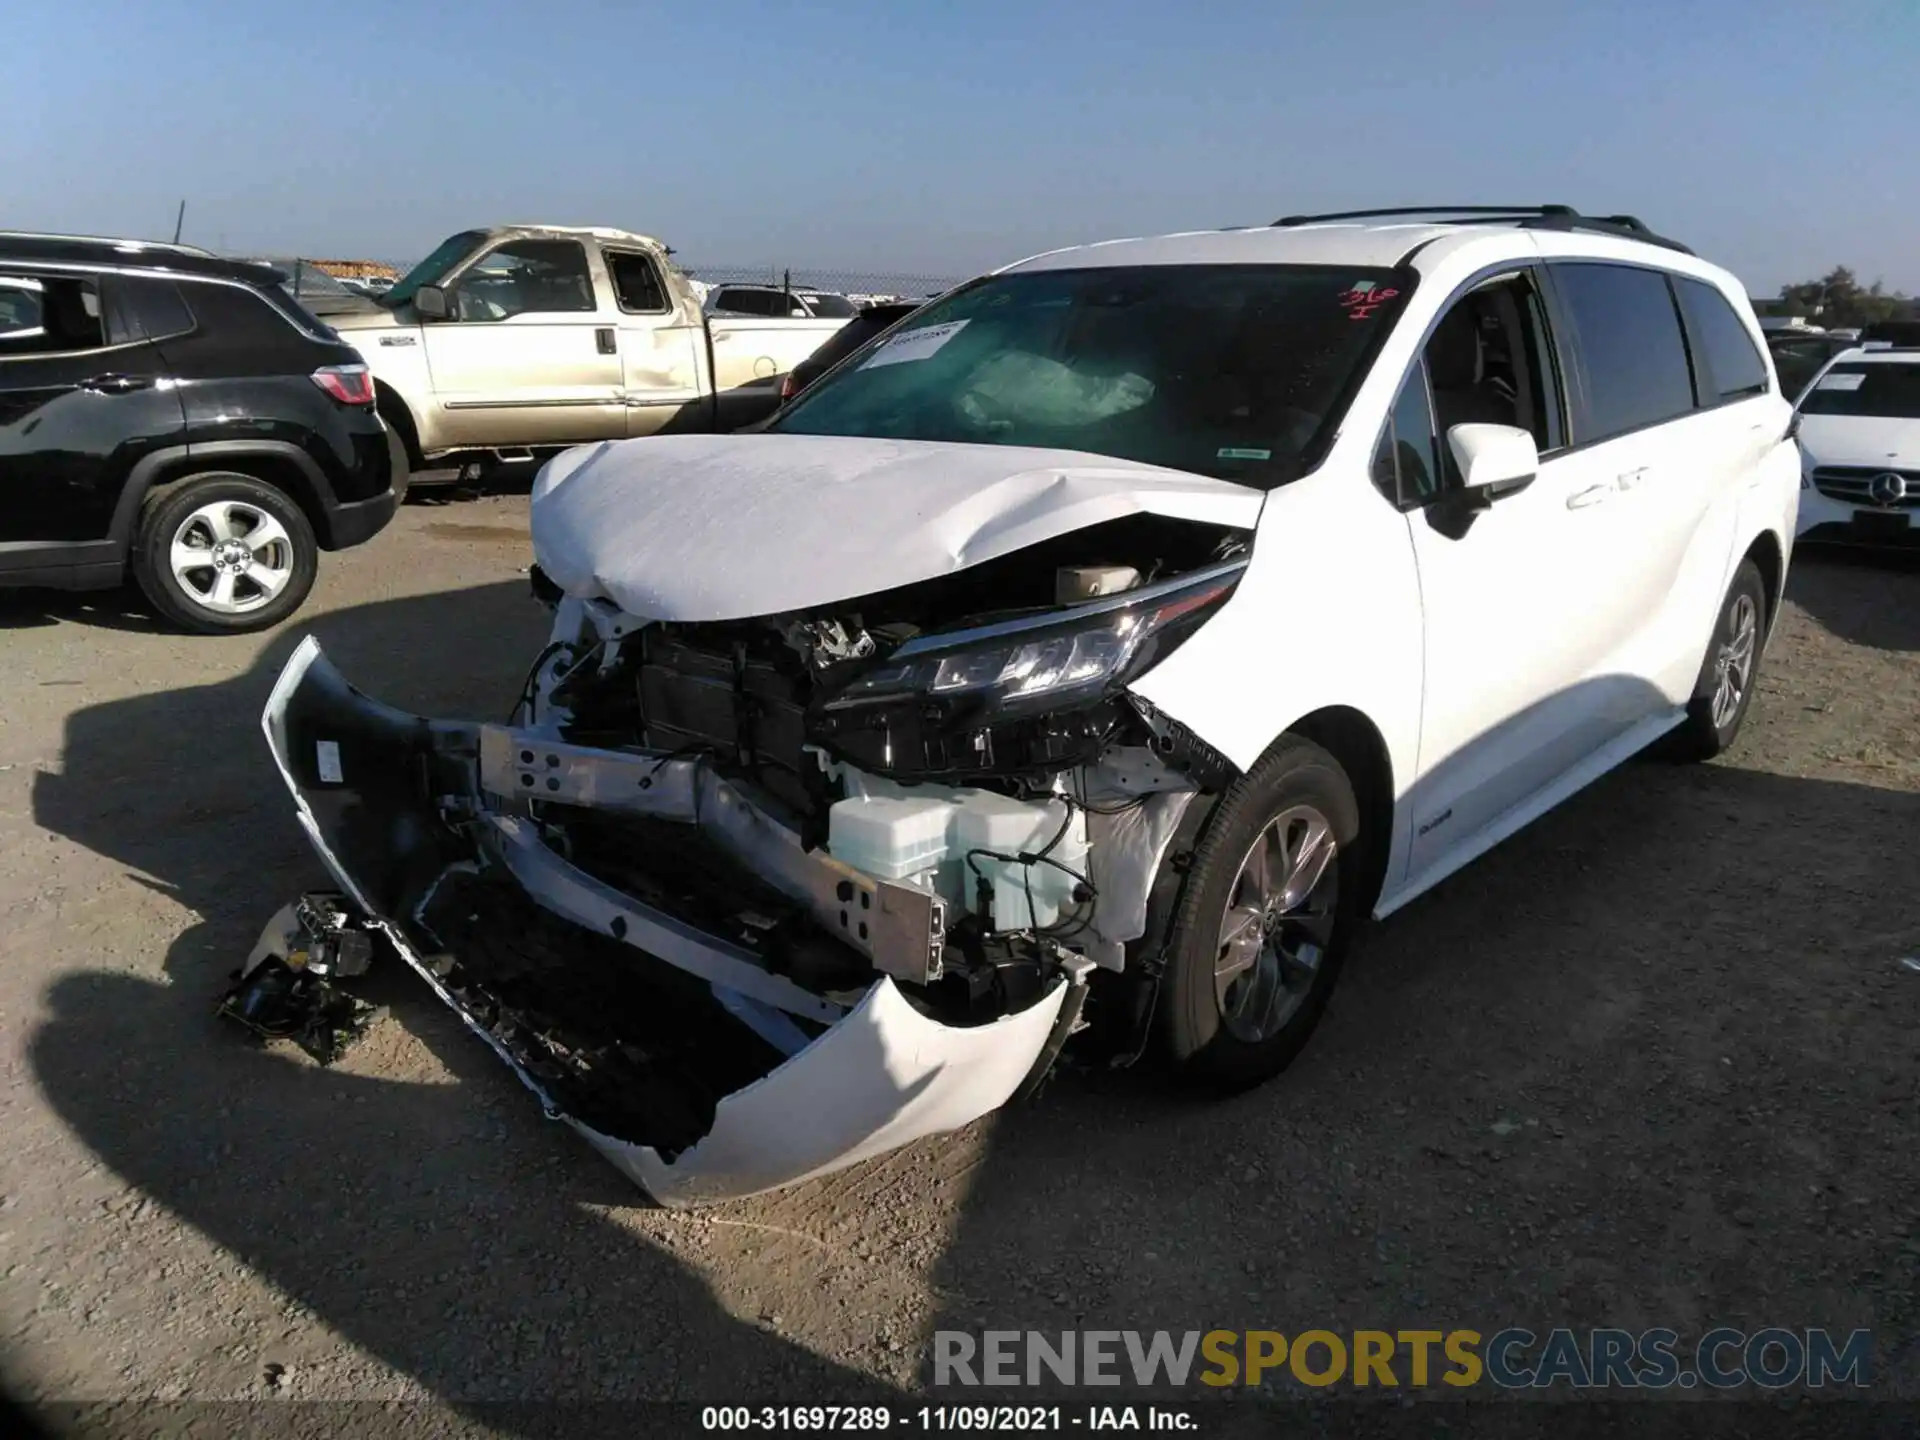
{"x": 179, "y": 219}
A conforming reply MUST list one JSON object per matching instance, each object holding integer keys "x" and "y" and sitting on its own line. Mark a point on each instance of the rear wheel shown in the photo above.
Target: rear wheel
{"x": 1269, "y": 904}
{"x": 1729, "y": 674}
{"x": 224, "y": 554}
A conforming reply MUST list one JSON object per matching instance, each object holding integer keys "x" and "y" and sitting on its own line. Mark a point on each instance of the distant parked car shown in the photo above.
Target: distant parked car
{"x": 1902, "y": 333}
{"x": 772, "y": 300}
{"x": 1859, "y": 431}
{"x": 514, "y": 340}
{"x": 182, "y": 418}
{"x": 869, "y": 322}
{"x": 1799, "y": 354}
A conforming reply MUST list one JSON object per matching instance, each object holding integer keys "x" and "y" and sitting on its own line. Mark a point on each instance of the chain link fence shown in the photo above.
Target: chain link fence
{"x": 855, "y": 284}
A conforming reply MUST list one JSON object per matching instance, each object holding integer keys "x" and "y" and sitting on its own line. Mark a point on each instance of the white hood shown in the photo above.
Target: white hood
{"x": 723, "y": 527}
{"x": 1860, "y": 440}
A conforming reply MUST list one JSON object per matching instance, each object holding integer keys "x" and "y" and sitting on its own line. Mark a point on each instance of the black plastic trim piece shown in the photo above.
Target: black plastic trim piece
{"x": 1527, "y": 217}
{"x": 126, "y": 510}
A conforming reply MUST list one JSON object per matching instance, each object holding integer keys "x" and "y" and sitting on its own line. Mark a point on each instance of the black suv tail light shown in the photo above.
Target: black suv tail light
{"x": 349, "y": 384}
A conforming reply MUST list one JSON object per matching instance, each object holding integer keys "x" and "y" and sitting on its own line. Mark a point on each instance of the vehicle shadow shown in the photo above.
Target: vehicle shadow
{"x": 121, "y": 609}
{"x": 1868, "y": 597}
{"x": 427, "y": 1213}
{"x": 1629, "y": 1069}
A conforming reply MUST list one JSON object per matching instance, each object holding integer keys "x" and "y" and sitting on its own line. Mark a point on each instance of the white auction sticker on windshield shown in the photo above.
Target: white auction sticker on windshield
{"x": 1841, "y": 381}
{"x": 914, "y": 344}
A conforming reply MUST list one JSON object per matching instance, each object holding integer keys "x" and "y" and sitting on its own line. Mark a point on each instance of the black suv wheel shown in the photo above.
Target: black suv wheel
{"x": 224, "y": 554}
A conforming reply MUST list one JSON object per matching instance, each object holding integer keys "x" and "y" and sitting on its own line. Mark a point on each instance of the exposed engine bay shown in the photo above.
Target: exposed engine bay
{"x": 746, "y": 900}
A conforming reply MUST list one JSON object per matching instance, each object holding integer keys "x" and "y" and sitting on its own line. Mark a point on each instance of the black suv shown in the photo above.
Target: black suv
{"x": 178, "y": 415}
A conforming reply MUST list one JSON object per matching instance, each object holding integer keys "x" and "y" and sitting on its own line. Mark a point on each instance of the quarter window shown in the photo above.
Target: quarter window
{"x": 527, "y": 277}
{"x": 636, "y": 284}
{"x": 1406, "y": 466}
{"x": 1632, "y": 351}
{"x": 154, "y": 306}
{"x": 1732, "y": 360}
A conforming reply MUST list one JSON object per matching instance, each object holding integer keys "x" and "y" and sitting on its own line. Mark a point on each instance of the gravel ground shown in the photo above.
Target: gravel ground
{"x": 1651, "y": 1063}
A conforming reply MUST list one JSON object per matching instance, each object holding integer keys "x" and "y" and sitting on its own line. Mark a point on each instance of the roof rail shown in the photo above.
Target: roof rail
{"x": 1527, "y": 217}
{"x": 172, "y": 246}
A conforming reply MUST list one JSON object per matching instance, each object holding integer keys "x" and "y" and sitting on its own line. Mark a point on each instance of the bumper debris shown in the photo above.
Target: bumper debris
{"x": 666, "y": 985}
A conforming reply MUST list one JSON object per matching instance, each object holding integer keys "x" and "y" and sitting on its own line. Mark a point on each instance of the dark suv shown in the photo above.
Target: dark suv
{"x": 173, "y": 414}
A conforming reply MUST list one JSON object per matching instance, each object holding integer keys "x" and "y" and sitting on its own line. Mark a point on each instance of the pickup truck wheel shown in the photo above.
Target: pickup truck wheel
{"x": 224, "y": 554}
{"x": 397, "y": 465}
{"x": 1270, "y": 900}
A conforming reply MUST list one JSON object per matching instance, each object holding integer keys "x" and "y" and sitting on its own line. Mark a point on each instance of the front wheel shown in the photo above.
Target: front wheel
{"x": 1269, "y": 904}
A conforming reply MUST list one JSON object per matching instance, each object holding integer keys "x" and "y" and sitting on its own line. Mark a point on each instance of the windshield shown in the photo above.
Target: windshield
{"x": 1233, "y": 371}
{"x": 433, "y": 269}
{"x": 1888, "y": 390}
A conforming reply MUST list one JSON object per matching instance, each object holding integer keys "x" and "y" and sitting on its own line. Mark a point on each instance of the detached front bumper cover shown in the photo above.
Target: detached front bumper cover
{"x": 396, "y": 804}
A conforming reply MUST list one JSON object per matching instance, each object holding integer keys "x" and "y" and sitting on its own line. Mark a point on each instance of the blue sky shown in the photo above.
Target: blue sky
{"x": 1775, "y": 138}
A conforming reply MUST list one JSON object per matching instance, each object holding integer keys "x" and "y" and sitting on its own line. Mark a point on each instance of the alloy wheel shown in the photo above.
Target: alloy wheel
{"x": 1278, "y": 924}
{"x": 231, "y": 557}
{"x": 1733, "y": 661}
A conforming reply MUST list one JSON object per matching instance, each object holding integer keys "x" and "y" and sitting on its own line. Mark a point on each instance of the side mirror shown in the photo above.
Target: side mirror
{"x": 1495, "y": 461}
{"x": 430, "y": 302}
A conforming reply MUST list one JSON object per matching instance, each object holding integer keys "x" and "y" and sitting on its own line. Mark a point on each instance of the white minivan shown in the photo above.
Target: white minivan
{"x": 1072, "y": 668}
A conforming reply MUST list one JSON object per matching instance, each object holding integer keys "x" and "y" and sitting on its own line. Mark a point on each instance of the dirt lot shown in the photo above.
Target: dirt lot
{"x": 1652, "y": 1063}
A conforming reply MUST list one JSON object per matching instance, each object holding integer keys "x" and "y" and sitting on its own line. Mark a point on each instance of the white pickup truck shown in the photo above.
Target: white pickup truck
{"x": 520, "y": 338}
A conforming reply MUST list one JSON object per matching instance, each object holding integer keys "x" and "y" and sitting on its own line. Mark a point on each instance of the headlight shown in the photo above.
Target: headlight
{"x": 1043, "y": 661}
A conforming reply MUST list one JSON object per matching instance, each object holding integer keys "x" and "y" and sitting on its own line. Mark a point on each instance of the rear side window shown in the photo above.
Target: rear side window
{"x": 1631, "y": 349}
{"x": 745, "y": 302}
{"x": 636, "y": 284}
{"x": 1733, "y": 364}
{"x": 282, "y": 300}
{"x": 153, "y": 307}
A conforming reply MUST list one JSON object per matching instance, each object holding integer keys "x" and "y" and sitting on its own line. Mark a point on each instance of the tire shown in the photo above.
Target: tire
{"x": 1234, "y": 1012}
{"x": 262, "y": 584}
{"x": 1729, "y": 674}
{"x": 397, "y": 464}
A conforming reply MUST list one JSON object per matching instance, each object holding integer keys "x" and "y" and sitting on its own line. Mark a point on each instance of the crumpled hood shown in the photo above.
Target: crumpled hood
{"x": 1861, "y": 440}
{"x": 723, "y": 527}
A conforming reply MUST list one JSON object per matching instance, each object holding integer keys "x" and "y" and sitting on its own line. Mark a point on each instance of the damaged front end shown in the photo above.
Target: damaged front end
{"x": 746, "y": 901}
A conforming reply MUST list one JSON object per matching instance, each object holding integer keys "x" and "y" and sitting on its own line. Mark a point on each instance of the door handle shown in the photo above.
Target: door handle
{"x": 1592, "y": 495}
{"x": 117, "y": 384}
{"x": 1627, "y": 479}
{"x": 603, "y": 337}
